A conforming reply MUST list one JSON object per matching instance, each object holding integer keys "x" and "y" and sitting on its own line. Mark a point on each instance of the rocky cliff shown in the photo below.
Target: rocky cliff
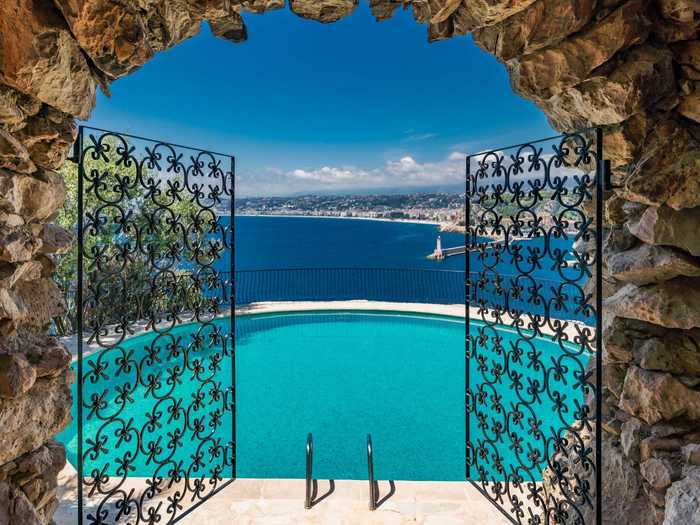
{"x": 632, "y": 66}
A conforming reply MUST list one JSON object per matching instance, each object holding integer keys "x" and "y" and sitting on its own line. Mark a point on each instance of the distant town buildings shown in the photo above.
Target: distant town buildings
{"x": 447, "y": 209}
{"x": 436, "y": 207}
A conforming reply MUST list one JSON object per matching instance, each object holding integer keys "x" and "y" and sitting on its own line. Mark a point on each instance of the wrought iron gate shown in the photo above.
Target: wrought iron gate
{"x": 155, "y": 380}
{"x": 533, "y": 342}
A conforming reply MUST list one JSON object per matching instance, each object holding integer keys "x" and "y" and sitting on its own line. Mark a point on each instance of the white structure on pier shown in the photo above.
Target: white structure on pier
{"x": 439, "y": 254}
{"x": 438, "y": 249}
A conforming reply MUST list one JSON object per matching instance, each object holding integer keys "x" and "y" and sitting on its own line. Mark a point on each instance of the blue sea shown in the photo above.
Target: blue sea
{"x": 310, "y": 242}
{"x": 318, "y": 259}
{"x": 327, "y": 259}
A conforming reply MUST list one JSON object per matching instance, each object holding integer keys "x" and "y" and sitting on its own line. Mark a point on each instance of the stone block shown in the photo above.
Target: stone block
{"x": 683, "y": 500}
{"x": 17, "y": 375}
{"x": 547, "y": 72}
{"x": 664, "y": 226}
{"x": 646, "y": 264}
{"x": 324, "y": 11}
{"x": 672, "y": 304}
{"x": 40, "y": 57}
{"x": 30, "y": 420}
{"x": 655, "y": 397}
{"x": 541, "y": 24}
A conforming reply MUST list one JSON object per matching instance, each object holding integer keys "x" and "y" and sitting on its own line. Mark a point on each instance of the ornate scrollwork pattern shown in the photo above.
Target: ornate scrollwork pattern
{"x": 533, "y": 233}
{"x": 156, "y": 401}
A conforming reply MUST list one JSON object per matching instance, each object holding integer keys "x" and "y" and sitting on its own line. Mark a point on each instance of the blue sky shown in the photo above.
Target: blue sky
{"x": 343, "y": 107}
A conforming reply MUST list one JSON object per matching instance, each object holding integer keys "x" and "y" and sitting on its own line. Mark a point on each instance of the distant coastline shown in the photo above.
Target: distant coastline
{"x": 378, "y": 219}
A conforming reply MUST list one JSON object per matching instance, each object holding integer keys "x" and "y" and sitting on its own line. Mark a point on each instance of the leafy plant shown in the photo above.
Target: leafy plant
{"x": 144, "y": 232}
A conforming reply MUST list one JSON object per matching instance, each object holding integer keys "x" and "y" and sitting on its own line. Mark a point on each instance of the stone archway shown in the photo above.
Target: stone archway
{"x": 632, "y": 66}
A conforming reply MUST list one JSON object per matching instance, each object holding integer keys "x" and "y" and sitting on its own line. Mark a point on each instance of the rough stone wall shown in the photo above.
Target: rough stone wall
{"x": 632, "y": 66}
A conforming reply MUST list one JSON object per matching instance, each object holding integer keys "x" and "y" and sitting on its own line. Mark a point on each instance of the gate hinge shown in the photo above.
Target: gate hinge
{"x": 607, "y": 176}
{"x": 75, "y": 155}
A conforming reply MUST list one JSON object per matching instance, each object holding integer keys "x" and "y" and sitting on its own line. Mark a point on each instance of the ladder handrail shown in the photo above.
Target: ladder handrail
{"x": 370, "y": 474}
{"x": 309, "y": 471}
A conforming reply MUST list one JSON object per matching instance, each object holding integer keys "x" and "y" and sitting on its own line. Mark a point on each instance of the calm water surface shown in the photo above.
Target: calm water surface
{"x": 308, "y": 242}
{"x": 339, "y": 375}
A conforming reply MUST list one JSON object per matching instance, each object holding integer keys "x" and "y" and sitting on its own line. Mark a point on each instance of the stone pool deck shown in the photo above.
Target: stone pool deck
{"x": 281, "y": 502}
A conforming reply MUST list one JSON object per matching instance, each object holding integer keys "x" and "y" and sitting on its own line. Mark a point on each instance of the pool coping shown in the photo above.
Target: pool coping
{"x": 450, "y": 310}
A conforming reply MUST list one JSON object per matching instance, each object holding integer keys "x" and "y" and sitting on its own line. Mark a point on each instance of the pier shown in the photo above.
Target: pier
{"x": 441, "y": 253}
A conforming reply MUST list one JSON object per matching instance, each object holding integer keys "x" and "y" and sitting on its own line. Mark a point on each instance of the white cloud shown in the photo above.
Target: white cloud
{"x": 404, "y": 171}
{"x": 419, "y": 137}
{"x": 408, "y": 170}
{"x": 405, "y": 164}
{"x": 330, "y": 175}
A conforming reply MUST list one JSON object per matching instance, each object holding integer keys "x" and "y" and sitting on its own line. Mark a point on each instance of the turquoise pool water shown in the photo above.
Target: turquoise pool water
{"x": 339, "y": 375}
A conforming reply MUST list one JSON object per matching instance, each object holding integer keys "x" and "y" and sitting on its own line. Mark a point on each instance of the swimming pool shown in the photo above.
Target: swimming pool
{"x": 337, "y": 374}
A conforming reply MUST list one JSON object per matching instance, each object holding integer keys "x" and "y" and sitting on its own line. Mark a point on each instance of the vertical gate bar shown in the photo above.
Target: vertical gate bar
{"x": 232, "y": 297}
{"x": 467, "y": 302}
{"x": 600, "y": 175}
{"x": 79, "y": 318}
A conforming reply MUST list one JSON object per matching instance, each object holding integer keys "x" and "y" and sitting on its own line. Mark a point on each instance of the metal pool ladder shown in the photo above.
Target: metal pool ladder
{"x": 370, "y": 475}
{"x": 373, "y": 488}
{"x": 309, "y": 468}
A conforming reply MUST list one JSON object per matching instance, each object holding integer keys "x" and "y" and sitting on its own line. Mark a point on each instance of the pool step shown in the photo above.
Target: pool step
{"x": 312, "y": 484}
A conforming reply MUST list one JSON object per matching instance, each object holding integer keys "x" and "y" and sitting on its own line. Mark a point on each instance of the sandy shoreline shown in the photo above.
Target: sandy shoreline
{"x": 378, "y": 219}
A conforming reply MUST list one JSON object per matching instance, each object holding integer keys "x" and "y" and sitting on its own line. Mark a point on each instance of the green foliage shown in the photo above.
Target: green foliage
{"x": 132, "y": 226}
{"x": 66, "y": 266}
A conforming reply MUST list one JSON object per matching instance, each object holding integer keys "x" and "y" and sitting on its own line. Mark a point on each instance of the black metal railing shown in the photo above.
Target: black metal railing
{"x": 512, "y": 293}
{"x": 345, "y": 284}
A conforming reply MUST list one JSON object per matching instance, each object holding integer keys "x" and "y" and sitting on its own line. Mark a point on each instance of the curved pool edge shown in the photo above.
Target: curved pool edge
{"x": 359, "y": 305}
{"x": 458, "y": 310}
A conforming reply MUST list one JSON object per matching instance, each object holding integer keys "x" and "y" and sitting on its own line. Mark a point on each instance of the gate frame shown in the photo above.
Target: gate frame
{"x": 603, "y": 184}
{"x": 77, "y": 158}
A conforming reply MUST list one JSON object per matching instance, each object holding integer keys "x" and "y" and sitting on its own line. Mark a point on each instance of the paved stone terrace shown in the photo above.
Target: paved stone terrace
{"x": 281, "y": 502}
